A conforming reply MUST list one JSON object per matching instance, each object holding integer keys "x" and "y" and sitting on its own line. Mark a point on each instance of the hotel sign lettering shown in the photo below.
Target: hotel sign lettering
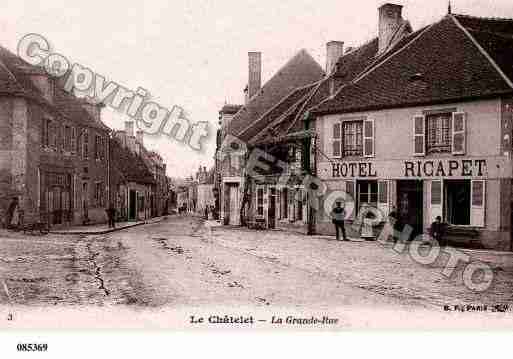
{"x": 448, "y": 168}
{"x": 353, "y": 169}
{"x": 458, "y": 168}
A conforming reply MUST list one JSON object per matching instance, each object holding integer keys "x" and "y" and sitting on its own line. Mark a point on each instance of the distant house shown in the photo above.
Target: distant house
{"x": 132, "y": 183}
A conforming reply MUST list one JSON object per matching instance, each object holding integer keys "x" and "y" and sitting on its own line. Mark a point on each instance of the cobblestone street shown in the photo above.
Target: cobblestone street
{"x": 181, "y": 262}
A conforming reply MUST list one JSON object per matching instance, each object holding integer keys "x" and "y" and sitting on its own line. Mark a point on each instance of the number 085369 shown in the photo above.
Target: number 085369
{"x": 22, "y": 347}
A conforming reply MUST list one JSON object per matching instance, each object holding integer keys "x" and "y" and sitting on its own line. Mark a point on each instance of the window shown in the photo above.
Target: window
{"x": 45, "y": 132}
{"x": 260, "y": 201}
{"x": 67, "y": 138}
{"x": 73, "y": 140}
{"x": 85, "y": 144}
{"x": 368, "y": 193}
{"x": 439, "y": 133}
{"x": 98, "y": 194}
{"x": 97, "y": 147}
{"x": 353, "y": 138}
{"x": 299, "y": 205}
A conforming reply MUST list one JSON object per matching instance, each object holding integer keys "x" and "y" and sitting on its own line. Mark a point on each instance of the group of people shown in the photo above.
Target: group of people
{"x": 437, "y": 229}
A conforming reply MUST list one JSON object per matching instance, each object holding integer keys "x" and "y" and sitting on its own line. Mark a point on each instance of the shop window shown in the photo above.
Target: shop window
{"x": 368, "y": 193}
{"x": 260, "y": 201}
{"x": 457, "y": 194}
{"x": 439, "y": 133}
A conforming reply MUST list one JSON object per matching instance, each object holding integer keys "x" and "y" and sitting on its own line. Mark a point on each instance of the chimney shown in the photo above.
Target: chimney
{"x": 334, "y": 50}
{"x": 44, "y": 84}
{"x": 390, "y": 20}
{"x": 94, "y": 109}
{"x": 254, "y": 73}
{"x": 121, "y": 136}
{"x": 139, "y": 135}
{"x": 129, "y": 128}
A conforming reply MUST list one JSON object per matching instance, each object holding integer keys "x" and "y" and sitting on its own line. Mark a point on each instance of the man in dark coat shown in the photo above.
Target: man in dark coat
{"x": 111, "y": 215}
{"x": 338, "y": 214}
{"x": 438, "y": 230}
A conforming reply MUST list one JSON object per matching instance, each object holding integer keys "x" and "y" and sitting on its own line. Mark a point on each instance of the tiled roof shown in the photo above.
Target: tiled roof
{"x": 15, "y": 80}
{"x": 440, "y": 64}
{"x": 230, "y": 108}
{"x": 129, "y": 165}
{"x": 257, "y": 126}
{"x": 496, "y": 38}
{"x": 299, "y": 71}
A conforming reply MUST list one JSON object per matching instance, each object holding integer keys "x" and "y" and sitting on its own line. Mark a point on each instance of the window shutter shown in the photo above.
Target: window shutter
{"x": 350, "y": 199}
{"x": 478, "y": 201}
{"x": 419, "y": 134}
{"x": 383, "y": 198}
{"x": 459, "y": 127}
{"x": 337, "y": 140}
{"x": 435, "y": 200}
{"x": 368, "y": 138}
{"x": 277, "y": 205}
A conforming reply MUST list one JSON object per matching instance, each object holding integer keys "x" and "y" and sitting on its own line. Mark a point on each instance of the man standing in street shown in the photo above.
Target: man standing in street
{"x": 111, "y": 215}
{"x": 338, "y": 214}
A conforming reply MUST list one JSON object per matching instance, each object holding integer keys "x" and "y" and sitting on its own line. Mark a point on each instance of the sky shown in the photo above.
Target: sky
{"x": 194, "y": 53}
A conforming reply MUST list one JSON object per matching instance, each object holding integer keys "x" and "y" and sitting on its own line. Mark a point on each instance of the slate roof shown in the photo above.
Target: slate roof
{"x": 440, "y": 63}
{"x": 129, "y": 165}
{"x": 15, "y": 80}
{"x": 299, "y": 71}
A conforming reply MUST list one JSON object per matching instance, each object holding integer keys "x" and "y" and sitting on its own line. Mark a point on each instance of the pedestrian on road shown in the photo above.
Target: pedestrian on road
{"x": 338, "y": 214}
{"x": 438, "y": 231}
{"x": 111, "y": 215}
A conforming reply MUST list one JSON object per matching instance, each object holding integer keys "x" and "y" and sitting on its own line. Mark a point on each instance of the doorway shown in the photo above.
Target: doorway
{"x": 132, "y": 203}
{"x": 410, "y": 205}
{"x": 271, "y": 213}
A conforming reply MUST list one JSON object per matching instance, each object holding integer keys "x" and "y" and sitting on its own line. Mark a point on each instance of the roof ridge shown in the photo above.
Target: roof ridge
{"x": 508, "y": 81}
{"x": 273, "y": 107}
{"x": 493, "y": 18}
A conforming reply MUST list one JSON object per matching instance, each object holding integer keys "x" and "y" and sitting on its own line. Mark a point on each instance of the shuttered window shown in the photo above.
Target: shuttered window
{"x": 337, "y": 138}
{"x": 459, "y": 133}
{"x": 419, "y": 132}
{"x": 368, "y": 138}
{"x": 477, "y": 210}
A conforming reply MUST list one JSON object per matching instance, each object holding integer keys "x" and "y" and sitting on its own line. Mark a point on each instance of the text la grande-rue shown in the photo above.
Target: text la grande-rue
{"x": 425, "y": 168}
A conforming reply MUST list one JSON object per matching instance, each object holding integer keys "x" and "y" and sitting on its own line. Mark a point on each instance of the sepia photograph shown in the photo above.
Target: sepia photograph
{"x": 256, "y": 166}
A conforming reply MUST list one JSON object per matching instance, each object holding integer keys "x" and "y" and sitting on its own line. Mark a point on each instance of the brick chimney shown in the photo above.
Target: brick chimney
{"x": 139, "y": 135}
{"x": 254, "y": 73}
{"x": 390, "y": 20}
{"x": 129, "y": 128}
{"x": 334, "y": 50}
{"x": 121, "y": 136}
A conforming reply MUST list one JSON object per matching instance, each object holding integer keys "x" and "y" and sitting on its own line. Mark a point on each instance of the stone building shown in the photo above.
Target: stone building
{"x": 131, "y": 181}
{"x": 235, "y": 186}
{"x": 426, "y": 127}
{"x": 53, "y": 148}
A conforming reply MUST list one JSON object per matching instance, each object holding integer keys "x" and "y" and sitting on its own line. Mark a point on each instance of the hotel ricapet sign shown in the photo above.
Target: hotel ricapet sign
{"x": 482, "y": 167}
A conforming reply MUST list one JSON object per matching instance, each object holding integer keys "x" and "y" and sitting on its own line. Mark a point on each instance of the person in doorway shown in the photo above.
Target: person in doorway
{"x": 438, "y": 231}
{"x": 338, "y": 214}
{"x": 11, "y": 217}
{"x": 393, "y": 223}
{"x": 111, "y": 215}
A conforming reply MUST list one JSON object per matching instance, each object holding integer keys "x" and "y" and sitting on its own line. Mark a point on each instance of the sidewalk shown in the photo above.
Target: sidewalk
{"x": 103, "y": 228}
